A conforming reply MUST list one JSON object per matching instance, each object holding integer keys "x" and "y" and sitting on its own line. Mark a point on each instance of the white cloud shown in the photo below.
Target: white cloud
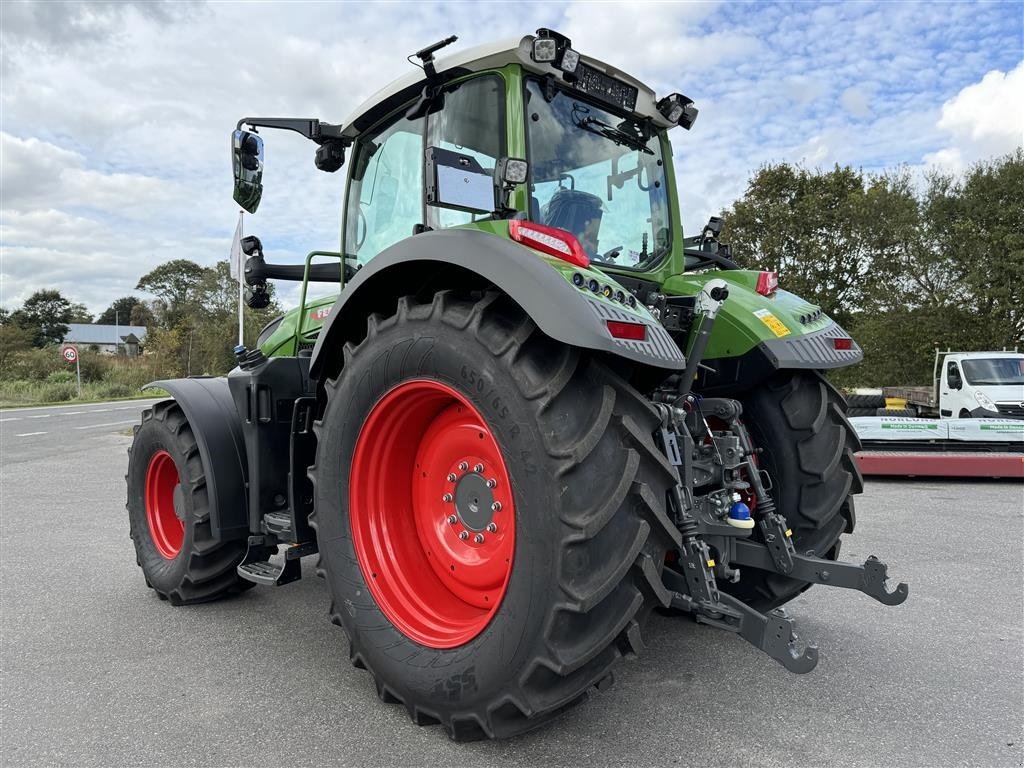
{"x": 983, "y": 119}
{"x": 857, "y": 101}
{"x": 115, "y": 116}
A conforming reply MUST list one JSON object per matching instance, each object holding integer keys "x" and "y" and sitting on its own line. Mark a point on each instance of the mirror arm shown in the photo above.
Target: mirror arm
{"x": 311, "y": 128}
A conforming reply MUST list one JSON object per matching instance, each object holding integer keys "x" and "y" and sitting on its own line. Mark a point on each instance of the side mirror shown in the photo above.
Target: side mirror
{"x": 458, "y": 181}
{"x": 247, "y": 163}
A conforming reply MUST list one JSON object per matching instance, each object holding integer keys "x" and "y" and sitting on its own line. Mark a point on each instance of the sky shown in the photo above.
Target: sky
{"x": 115, "y": 117}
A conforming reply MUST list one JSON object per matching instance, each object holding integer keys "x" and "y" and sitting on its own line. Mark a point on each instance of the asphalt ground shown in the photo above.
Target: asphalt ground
{"x": 97, "y": 671}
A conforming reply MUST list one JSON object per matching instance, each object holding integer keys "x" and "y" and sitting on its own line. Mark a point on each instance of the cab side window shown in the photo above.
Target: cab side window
{"x": 472, "y": 122}
{"x": 385, "y": 196}
{"x": 953, "y": 376}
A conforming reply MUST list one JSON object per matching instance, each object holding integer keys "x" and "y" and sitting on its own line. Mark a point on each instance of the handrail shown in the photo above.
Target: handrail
{"x": 300, "y": 325}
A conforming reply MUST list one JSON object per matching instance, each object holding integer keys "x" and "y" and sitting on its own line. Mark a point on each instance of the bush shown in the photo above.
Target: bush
{"x": 116, "y": 390}
{"x": 33, "y": 364}
{"x": 56, "y": 393}
{"x": 61, "y": 377}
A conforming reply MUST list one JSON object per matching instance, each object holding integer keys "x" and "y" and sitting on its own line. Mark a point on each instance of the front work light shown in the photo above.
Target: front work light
{"x": 545, "y": 49}
{"x": 678, "y": 109}
{"x": 512, "y": 170}
{"x": 550, "y": 47}
{"x": 570, "y": 59}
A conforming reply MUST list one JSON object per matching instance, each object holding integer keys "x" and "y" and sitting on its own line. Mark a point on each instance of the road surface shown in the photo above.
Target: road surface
{"x": 97, "y": 671}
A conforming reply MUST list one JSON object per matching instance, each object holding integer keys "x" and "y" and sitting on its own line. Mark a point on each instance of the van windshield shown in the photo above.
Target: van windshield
{"x": 599, "y": 176}
{"x": 994, "y": 370}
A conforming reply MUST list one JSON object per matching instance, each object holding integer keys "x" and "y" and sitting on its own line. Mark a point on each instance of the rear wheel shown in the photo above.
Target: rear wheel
{"x": 169, "y": 513}
{"x": 799, "y": 421}
{"x": 490, "y": 512}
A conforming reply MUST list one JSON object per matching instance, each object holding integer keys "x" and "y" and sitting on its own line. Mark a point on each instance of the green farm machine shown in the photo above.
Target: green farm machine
{"x": 533, "y": 413}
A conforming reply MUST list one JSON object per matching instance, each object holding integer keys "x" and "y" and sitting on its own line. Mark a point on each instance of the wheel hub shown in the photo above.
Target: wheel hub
{"x": 474, "y": 502}
{"x": 431, "y": 512}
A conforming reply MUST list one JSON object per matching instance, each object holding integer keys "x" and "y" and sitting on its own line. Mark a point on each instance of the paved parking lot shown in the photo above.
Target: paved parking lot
{"x": 97, "y": 671}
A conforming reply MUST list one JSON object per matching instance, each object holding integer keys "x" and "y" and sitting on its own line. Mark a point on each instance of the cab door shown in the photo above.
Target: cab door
{"x": 950, "y": 390}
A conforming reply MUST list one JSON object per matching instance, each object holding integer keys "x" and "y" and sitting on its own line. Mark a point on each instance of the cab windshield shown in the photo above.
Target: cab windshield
{"x": 596, "y": 174}
{"x": 994, "y": 370}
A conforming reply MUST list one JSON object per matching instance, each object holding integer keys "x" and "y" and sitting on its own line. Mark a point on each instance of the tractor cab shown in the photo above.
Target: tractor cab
{"x": 528, "y": 129}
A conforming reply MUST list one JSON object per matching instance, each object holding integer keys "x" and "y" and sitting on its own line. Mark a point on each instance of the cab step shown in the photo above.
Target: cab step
{"x": 275, "y": 569}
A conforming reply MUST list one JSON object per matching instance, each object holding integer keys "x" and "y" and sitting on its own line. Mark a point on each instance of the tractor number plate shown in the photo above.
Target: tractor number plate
{"x": 775, "y": 325}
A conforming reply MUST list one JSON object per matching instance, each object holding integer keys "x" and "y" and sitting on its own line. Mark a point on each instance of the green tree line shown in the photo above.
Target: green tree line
{"x": 191, "y": 322}
{"x": 903, "y": 265}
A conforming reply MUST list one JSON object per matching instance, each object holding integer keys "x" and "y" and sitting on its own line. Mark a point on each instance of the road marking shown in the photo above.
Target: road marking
{"x": 30, "y": 434}
{"x": 10, "y": 419}
{"x": 142, "y": 401}
{"x": 44, "y": 416}
{"x": 99, "y": 410}
{"x": 110, "y": 424}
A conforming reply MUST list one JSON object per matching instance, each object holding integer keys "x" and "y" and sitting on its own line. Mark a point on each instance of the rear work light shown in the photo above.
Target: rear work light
{"x": 549, "y": 240}
{"x": 767, "y": 283}
{"x": 842, "y": 343}
{"x": 630, "y": 331}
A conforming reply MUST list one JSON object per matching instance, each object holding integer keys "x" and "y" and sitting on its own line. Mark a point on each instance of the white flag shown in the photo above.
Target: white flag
{"x": 236, "y": 251}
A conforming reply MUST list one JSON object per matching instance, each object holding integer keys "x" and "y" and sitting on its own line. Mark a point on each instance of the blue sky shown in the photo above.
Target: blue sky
{"x": 115, "y": 116}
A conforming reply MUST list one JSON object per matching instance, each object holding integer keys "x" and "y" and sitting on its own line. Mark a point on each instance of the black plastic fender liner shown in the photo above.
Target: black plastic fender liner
{"x": 562, "y": 311}
{"x": 211, "y": 414}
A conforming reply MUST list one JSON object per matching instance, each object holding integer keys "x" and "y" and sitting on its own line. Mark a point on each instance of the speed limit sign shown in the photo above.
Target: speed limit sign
{"x": 70, "y": 354}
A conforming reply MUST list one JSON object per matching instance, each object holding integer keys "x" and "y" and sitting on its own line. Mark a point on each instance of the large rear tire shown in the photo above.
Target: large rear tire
{"x": 799, "y": 421}
{"x": 169, "y": 514}
{"x": 581, "y": 488}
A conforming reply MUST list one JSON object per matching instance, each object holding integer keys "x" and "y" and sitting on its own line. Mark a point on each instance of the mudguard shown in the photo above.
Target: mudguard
{"x": 211, "y": 414}
{"x": 560, "y": 309}
{"x": 756, "y": 335}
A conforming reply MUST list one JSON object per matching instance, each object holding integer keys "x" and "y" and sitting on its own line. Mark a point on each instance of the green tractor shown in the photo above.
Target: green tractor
{"x": 534, "y": 412}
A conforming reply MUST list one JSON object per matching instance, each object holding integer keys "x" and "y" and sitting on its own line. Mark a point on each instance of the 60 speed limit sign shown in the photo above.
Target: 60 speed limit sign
{"x": 70, "y": 354}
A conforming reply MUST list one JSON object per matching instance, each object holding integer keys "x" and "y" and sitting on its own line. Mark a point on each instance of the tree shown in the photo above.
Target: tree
{"x": 12, "y": 339}
{"x": 45, "y": 315}
{"x": 79, "y": 314}
{"x": 176, "y": 284}
{"x": 120, "y": 311}
{"x": 904, "y": 268}
{"x": 827, "y": 233}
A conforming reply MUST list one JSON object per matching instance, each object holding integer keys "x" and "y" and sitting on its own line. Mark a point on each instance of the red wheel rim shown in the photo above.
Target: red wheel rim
{"x": 431, "y": 512}
{"x": 165, "y": 528}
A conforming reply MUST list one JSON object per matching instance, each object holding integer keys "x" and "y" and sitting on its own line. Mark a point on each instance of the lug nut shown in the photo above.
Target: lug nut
{"x": 479, "y": 538}
{"x": 452, "y": 477}
{"x": 479, "y": 468}
{"x": 491, "y": 483}
{"x": 463, "y": 467}
{"x": 492, "y": 528}
{"x": 464, "y": 535}
{"x": 496, "y": 506}
{"x": 447, "y": 498}
{"x": 452, "y": 519}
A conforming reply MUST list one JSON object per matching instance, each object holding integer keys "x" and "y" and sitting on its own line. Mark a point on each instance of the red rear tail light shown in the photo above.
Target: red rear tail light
{"x": 842, "y": 343}
{"x": 631, "y": 331}
{"x": 767, "y": 282}
{"x": 549, "y": 240}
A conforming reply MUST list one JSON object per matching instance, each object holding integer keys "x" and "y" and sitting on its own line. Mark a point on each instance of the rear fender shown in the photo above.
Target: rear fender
{"x": 211, "y": 414}
{"x": 756, "y": 335}
{"x": 463, "y": 258}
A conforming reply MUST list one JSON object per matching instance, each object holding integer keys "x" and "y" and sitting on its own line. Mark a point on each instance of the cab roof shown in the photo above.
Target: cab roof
{"x": 477, "y": 59}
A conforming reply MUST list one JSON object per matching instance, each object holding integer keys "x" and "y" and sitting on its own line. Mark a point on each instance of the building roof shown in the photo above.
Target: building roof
{"x": 93, "y": 333}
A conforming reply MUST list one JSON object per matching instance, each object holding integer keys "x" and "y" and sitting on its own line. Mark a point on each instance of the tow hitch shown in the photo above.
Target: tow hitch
{"x": 713, "y": 544}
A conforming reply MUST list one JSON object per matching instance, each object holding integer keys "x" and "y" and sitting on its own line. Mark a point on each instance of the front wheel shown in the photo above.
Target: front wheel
{"x": 799, "y": 420}
{"x": 169, "y": 513}
{"x": 490, "y": 512}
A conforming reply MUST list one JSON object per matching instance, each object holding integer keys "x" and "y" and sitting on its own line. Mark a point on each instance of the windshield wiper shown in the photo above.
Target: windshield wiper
{"x": 636, "y": 141}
